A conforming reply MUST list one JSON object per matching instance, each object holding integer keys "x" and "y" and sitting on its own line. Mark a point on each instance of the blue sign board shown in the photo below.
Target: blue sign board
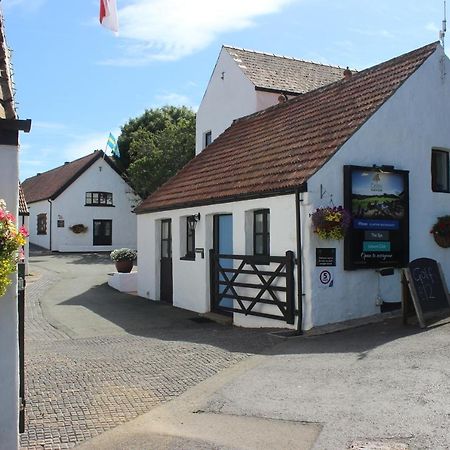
{"x": 371, "y": 224}
{"x": 376, "y": 246}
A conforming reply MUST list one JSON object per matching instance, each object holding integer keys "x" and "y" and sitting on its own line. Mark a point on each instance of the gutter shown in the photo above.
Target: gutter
{"x": 50, "y": 224}
{"x": 298, "y": 228}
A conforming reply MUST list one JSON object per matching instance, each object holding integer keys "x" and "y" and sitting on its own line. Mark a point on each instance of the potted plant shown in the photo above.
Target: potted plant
{"x": 123, "y": 258}
{"x": 331, "y": 222}
{"x": 441, "y": 231}
{"x": 11, "y": 239}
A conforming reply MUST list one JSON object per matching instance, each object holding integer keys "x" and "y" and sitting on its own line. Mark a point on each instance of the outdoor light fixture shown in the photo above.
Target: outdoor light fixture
{"x": 192, "y": 221}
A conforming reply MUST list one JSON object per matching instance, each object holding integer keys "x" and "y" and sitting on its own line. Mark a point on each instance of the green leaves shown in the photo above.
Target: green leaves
{"x": 156, "y": 145}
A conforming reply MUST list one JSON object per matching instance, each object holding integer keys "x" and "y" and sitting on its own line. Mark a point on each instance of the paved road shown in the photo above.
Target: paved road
{"x": 96, "y": 358}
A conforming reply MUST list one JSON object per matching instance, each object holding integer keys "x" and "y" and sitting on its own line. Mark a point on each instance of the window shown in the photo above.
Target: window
{"x": 42, "y": 223}
{"x": 190, "y": 237}
{"x": 440, "y": 171}
{"x": 261, "y": 232}
{"x": 102, "y": 232}
{"x": 207, "y": 139}
{"x": 99, "y": 199}
{"x": 166, "y": 238}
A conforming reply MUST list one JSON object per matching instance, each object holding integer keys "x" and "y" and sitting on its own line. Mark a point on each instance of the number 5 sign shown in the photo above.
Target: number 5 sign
{"x": 326, "y": 278}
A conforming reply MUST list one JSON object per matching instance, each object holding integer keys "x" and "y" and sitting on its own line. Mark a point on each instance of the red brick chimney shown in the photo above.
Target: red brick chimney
{"x": 347, "y": 74}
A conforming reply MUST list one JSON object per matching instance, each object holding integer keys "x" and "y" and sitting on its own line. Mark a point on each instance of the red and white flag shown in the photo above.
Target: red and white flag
{"x": 108, "y": 15}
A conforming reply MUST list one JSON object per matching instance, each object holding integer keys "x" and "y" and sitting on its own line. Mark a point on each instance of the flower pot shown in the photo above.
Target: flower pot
{"x": 442, "y": 241}
{"x": 124, "y": 266}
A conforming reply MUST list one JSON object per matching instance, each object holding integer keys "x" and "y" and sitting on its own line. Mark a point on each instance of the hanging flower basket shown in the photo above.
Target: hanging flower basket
{"x": 441, "y": 231}
{"x": 11, "y": 239}
{"x": 78, "y": 228}
{"x": 331, "y": 222}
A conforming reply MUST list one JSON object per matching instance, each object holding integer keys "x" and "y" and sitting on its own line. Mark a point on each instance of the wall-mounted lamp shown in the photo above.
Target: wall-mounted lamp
{"x": 192, "y": 221}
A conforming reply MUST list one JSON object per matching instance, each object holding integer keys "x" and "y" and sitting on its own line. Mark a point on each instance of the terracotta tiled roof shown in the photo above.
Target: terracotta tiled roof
{"x": 49, "y": 185}
{"x": 280, "y": 73}
{"x": 23, "y": 207}
{"x": 280, "y": 148}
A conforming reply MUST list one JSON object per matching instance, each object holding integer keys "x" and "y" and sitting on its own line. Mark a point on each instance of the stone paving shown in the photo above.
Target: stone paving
{"x": 79, "y": 388}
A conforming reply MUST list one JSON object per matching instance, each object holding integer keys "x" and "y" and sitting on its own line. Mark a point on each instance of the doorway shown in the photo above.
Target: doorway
{"x": 223, "y": 245}
{"x": 102, "y": 232}
{"x": 166, "y": 281}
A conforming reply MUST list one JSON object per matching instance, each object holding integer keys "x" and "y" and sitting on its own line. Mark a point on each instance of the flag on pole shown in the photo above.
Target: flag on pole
{"x": 112, "y": 144}
{"x": 108, "y": 15}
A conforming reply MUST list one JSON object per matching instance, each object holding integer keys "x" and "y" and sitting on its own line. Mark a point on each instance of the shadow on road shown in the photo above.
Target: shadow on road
{"x": 142, "y": 317}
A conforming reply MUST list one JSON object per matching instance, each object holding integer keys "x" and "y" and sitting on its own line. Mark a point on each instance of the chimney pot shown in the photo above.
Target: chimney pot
{"x": 347, "y": 74}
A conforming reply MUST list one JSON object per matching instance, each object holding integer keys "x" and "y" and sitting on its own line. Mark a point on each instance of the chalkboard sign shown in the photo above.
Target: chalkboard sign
{"x": 426, "y": 284}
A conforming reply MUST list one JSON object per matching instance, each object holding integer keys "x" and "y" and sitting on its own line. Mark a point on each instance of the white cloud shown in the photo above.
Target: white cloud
{"x": 29, "y": 5}
{"x": 374, "y": 33}
{"x": 431, "y": 26}
{"x": 171, "y": 29}
{"x": 83, "y": 145}
{"x": 48, "y": 125}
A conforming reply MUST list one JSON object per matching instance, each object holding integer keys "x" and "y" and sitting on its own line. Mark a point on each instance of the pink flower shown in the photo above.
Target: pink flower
{"x": 10, "y": 217}
{"x": 2, "y": 214}
{"x": 23, "y": 231}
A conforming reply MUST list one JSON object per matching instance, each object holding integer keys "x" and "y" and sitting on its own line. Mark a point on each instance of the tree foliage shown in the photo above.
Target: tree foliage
{"x": 155, "y": 145}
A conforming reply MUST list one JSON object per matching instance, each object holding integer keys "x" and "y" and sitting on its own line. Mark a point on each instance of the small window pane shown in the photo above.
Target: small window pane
{"x": 95, "y": 197}
{"x": 165, "y": 229}
{"x": 440, "y": 171}
{"x": 207, "y": 138}
{"x": 259, "y": 220}
{"x": 259, "y": 244}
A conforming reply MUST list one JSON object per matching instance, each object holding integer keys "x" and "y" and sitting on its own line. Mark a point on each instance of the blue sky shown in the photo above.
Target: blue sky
{"x": 77, "y": 81}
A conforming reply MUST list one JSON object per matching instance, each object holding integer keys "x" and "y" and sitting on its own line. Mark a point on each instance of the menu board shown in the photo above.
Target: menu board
{"x": 378, "y": 199}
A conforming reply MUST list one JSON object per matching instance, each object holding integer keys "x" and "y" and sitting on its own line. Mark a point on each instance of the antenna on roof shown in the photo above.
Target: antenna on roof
{"x": 444, "y": 26}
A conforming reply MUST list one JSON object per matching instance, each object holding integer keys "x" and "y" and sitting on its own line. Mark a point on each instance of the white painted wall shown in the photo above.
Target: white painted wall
{"x": 69, "y": 206}
{"x": 191, "y": 278}
{"x": 36, "y": 208}
{"x": 224, "y": 100}
{"x": 402, "y": 133}
{"x": 9, "y": 348}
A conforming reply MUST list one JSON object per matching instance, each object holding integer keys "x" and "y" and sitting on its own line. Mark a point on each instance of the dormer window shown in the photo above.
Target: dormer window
{"x": 99, "y": 199}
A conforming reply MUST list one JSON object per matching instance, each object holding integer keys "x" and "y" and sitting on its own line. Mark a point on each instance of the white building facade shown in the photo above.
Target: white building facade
{"x": 99, "y": 199}
{"x": 403, "y": 132}
{"x": 244, "y": 82}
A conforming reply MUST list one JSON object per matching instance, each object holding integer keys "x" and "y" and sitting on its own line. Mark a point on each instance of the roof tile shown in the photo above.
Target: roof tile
{"x": 49, "y": 184}
{"x": 280, "y": 73}
{"x": 280, "y": 148}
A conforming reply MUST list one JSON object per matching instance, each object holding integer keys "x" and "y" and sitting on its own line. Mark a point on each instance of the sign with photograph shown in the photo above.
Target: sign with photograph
{"x": 378, "y": 200}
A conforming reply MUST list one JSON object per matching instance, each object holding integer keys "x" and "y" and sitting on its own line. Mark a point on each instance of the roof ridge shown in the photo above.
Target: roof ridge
{"x": 65, "y": 164}
{"x": 359, "y": 74}
{"x": 291, "y": 58}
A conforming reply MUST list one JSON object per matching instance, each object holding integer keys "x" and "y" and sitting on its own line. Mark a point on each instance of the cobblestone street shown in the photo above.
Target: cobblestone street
{"x": 79, "y": 386}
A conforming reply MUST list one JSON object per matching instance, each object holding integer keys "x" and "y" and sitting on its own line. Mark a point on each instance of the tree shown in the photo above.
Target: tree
{"x": 155, "y": 145}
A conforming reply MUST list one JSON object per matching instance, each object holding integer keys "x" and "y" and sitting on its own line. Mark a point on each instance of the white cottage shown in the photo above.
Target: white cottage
{"x": 246, "y": 81}
{"x": 232, "y": 231}
{"x": 83, "y": 205}
{"x": 10, "y": 126}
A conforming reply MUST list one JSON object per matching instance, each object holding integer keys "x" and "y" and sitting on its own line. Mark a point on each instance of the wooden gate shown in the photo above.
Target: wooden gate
{"x": 252, "y": 281}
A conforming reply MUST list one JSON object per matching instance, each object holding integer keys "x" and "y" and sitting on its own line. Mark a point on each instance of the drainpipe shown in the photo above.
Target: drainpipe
{"x": 298, "y": 227}
{"x": 50, "y": 224}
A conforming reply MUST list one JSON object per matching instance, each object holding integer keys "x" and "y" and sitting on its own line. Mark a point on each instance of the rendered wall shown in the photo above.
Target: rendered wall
{"x": 402, "y": 133}
{"x": 9, "y": 369}
{"x": 191, "y": 278}
{"x": 42, "y": 207}
{"x": 225, "y": 99}
{"x": 69, "y": 206}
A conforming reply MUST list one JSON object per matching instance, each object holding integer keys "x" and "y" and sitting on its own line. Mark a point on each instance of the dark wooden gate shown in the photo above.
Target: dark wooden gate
{"x": 166, "y": 282}
{"x": 252, "y": 281}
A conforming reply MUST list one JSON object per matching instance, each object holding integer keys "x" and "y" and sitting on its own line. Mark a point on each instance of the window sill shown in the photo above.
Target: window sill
{"x": 102, "y": 206}
{"x": 187, "y": 258}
